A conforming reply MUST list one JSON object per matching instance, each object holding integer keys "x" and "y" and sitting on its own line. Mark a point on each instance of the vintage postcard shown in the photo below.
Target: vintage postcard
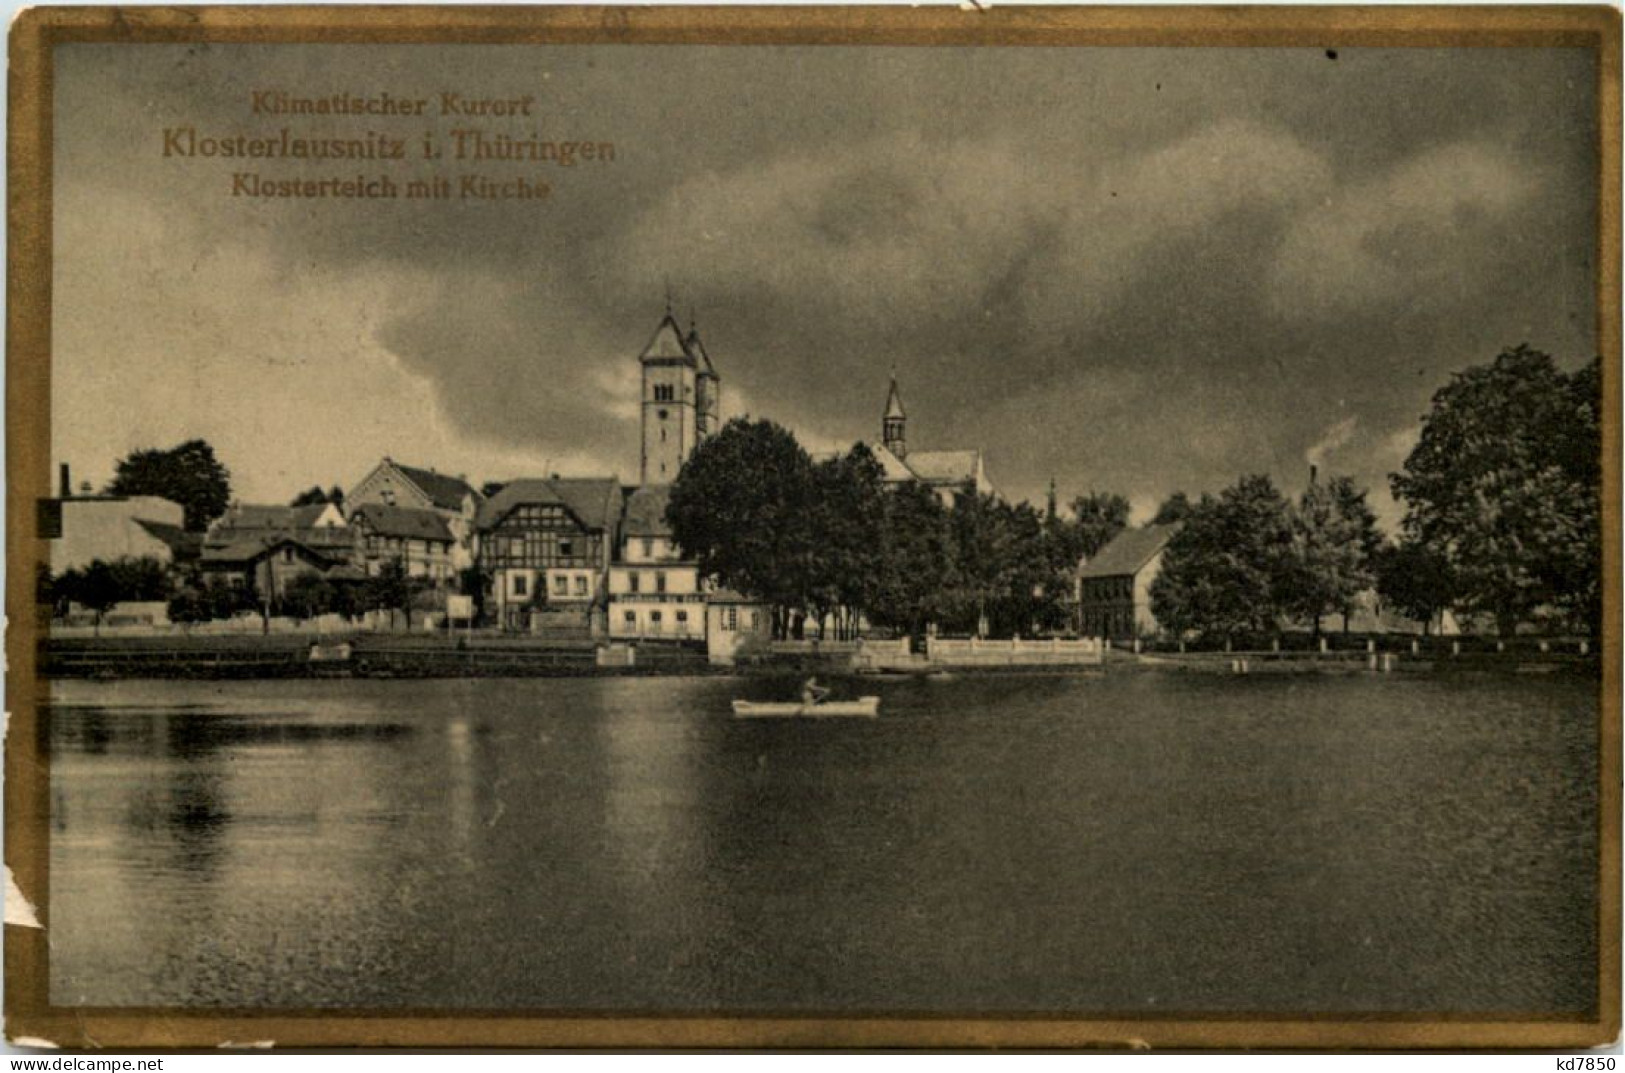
{"x": 851, "y": 527}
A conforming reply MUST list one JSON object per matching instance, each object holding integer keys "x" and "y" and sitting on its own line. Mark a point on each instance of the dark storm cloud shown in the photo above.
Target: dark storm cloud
{"x": 1131, "y": 269}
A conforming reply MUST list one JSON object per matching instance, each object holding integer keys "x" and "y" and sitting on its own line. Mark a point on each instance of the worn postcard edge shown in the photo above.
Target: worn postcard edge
{"x": 31, "y": 1019}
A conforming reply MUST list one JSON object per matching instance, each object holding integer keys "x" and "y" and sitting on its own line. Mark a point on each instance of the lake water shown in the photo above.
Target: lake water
{"x": 1144, "y": 842}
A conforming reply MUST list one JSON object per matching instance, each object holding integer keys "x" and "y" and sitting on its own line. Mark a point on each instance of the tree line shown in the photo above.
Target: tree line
{"x": 189, "y": 595}
{"x": 827, "y": 541}
{"x": 1502, "y": 496}
{"x": 1502, "y": 520}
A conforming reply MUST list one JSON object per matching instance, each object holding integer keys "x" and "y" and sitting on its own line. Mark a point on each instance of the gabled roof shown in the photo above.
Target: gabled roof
{"x": 697, "y": 348}
{"x": 241, "y": 516}
{"x": 182, "y": 545}
{"x": 251, "y": 517}
{"x": 667, "y": 343}
{"x": 246, "y": 550}
{"x": 444, "y": 491}
{"x": 944, "y": 467}
{"x": 404, "y": 522}
{"x": 236, "y": 551}
{"x": 892, "y": 468}
{"x": 596, "y": 501}
{"x": 1129, "y": 551}
{"x": 894, "y": 402}
{"x": 646, "y": 512}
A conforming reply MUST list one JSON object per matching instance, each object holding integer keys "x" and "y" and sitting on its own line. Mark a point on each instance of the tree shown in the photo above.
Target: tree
{"x": 1099, "y": 517}
{"x": 742, "y": 508}
{"x": 1036, "y": 595}
{"x": 984, "y": 562}
{"x": 847, "y": 513}
{"x": 310, "y": 497}
{"x": 1334, "y": 536}
{"x": 390, "y": 590}
{"x": 1415, "y": 579}
{"x": 474, "y": 581}
{"x": 1227, "y": 570}
{"x": 917, "y": 560}
{"x": 309, "y": 596}
{"x": 1176, "y": 508}
{"x": 210, "y": 599}
{"x": 1504, "y": 484}
{"x": 102, "y": 585}
{"x": 187, "y": 474}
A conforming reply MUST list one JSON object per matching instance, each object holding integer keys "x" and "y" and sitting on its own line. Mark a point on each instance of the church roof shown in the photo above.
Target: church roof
{"x": 892, "y": 468}
{"x": 697, "y": 348}
{"x": 443, "y": 490}
{"x": 894, "y": 402}
{"x": 405, "y": 522}
{"x": 944, "y": 467}
{"x": 1129, "y": 551}
{"x": 667, "y": 343}
{"x": 596, "y": 501}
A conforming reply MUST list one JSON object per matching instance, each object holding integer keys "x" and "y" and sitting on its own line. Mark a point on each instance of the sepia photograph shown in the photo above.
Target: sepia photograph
{"x": 850, "y": 527}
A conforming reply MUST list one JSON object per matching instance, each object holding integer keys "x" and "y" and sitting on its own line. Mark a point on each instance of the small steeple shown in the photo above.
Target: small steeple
{"x": 892, "y": 424}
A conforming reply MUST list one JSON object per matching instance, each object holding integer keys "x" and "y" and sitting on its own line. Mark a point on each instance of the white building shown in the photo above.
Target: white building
{"x": 653, "y": 592}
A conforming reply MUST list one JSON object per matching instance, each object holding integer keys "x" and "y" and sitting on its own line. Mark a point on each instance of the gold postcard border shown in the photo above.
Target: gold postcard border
{"x": 37, "y": 31}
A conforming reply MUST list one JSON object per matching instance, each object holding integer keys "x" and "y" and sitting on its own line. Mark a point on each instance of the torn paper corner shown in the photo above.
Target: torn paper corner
{"x": 975, "y": 5}
{"x": 38, "y": 1042}
{"x": 19, "y": 910}
{"x": 247, "y": 1045}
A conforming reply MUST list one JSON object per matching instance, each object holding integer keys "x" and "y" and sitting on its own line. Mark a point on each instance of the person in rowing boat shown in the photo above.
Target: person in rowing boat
{"x": 812, "y": 693}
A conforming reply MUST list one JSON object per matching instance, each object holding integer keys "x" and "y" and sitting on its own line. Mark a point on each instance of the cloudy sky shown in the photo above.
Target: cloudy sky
{"x": 1136, "y": 270}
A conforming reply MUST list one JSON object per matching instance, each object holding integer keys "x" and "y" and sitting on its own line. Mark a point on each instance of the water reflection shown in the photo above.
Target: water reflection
{"x": 1132, "y": 843}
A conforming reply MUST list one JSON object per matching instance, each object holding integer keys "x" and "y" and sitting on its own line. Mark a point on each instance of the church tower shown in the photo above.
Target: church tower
{"x": 708, "y": 387}
{"x": 681, "y": 399}
{"x": 891, "y": 426}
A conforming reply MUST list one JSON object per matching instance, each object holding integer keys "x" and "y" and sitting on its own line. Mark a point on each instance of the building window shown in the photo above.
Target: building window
{"x": 561, "y": 585}
{"x": 634, "y": 581}
{"x": 581, "y": 585}
{"x": 567, "y": 549}
{"x": 663, "y": 393}
{"x": 660, "y": 581}
{"x": 682, "y": 616}
{"x": 730, "y": 618}
{"x": 754, "y": 620}
{"x": 648, "y": 548}
{"x": 654, "y": 616}
{"x": 287, "y": 555}
{"x": 631, "y": 618}
{"x": 519, "y": 584}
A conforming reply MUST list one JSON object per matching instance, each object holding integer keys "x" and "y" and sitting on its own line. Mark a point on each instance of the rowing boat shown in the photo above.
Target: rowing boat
{"x": 863, "y": 707}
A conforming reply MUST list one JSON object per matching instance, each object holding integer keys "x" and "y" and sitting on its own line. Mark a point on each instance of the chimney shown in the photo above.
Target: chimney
{"x": 1314, "y": 471}
{"x": 67, "y": 481}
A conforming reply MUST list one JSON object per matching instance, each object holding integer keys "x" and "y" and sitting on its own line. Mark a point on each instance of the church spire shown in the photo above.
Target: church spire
{"x": 892, "y": 424}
